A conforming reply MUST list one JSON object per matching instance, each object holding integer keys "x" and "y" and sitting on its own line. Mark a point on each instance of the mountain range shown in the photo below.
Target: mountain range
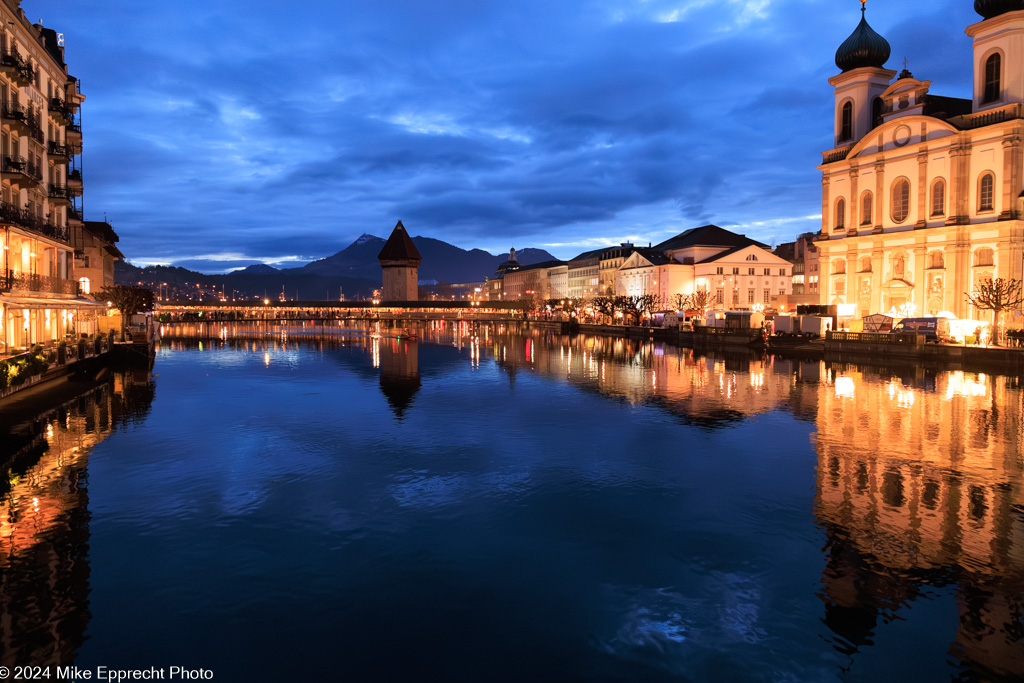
{"x": 354, "y": 271}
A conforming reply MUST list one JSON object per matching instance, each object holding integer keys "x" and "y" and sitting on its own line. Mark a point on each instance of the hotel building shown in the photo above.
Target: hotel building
{"x": 40, "y": 186}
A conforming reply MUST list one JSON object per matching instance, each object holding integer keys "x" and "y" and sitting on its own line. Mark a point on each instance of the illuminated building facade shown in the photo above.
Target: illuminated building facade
{"x": 739, "y": 272}
{"x": 537, "y": 282}
{"x": 921, "y": 195}
{"x": 95, "y": 254}
{"x": 40, "y": 185}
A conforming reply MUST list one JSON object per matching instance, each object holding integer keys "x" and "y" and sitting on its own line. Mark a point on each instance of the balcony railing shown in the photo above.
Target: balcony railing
{"x": 13, "y": 111}
{"x": 987, "y": 118}
{"x": 26, "y": 74}
{"x": 834, "y": 155}
{"x": 58, "y": 194}
{"x": 30, "y": 282}
{"x": 18, "y": 168}
{"x": 10, "y": 62}
{"x": 9, "y": 213}
{"x": 55, "y": 149}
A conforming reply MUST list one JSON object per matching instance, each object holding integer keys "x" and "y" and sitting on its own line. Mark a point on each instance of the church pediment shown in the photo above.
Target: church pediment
{"x": 899, "y": 132}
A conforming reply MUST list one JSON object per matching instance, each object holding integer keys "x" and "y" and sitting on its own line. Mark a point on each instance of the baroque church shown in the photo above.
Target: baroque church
{"x": 922, "y": 194}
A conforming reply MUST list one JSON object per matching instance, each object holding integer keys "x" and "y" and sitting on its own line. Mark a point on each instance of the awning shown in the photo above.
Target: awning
{"x": 35, "y": 302}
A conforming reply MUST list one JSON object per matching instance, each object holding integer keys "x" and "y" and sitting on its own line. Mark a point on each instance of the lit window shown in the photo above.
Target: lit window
{"x": 985, "y": 192}
{"x": 900, "y": 200}
{"x": 840, "y": 218}
{"x": 939, "y": 197}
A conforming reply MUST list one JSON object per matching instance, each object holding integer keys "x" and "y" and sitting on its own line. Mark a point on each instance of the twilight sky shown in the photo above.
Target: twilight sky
{"x": 220, "y": 133}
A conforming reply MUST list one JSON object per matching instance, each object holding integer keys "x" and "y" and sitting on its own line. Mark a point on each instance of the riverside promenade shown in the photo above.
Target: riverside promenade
{"x": 268, "y": 319}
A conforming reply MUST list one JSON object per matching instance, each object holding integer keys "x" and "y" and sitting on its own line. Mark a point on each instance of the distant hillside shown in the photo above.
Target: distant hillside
{"x": 250, "y": 283}
{"x": 441, "y": 261}
{"x": 353, "y": 271}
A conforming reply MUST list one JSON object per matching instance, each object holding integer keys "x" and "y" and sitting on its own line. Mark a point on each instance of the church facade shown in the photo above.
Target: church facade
{"x": 922, "y": 194}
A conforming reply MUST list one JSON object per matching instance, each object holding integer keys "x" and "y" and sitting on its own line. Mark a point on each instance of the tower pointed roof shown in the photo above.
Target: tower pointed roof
{"x": 863, "y": 48}
{"x": 399, "y": 246}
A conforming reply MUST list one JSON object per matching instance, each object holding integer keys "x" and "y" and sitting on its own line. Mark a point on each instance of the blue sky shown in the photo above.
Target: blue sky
{"x": 220, "y": 133}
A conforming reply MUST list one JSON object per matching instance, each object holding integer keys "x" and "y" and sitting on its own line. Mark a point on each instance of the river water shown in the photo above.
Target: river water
{"x": 483, "y": 503}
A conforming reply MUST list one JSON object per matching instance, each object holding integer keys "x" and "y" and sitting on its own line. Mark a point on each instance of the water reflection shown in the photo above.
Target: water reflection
{"x": 919, "y": 486}
{"x": 399, "y": 372}
{"x": 44, "y": 522}
{"x": 398, "y": 485}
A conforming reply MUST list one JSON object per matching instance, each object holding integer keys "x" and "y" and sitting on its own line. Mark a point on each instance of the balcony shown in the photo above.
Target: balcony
{"x": 20, "y": 171}
{"x": 74, "y": 217}
{"x": 26, "y": 74}
{"x": 10, "y": 63}
{"x": 834, "y": 155}
{"x": 17, "y": 117}
{"x": 73, "y": 134}
{"x": 12, "y": 215}
{"x": 61, "y": 111}
{"x": 58, "y": 195}
{"x": 59, "y": 153}
{"x": 74, "y": 183}
{"x": 28, "y": 282}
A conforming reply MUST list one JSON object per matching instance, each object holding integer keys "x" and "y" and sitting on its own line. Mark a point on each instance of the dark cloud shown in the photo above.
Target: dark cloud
{"x": 234, "y": 131}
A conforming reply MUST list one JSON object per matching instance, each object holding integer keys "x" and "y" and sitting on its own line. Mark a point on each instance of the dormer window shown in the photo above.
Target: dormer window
{"x": 993, "y": 68}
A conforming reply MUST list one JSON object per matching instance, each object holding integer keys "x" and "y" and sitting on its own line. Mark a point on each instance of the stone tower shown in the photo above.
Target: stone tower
{"x": 400, "y": 262}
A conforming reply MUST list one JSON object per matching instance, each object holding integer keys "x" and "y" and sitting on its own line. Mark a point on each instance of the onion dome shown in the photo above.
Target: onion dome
{"x": 864, "y": 47}
{"x": 993, "y": 8}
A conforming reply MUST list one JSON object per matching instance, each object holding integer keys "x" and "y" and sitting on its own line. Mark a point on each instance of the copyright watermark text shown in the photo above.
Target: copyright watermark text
{"x": 109, "y": 674}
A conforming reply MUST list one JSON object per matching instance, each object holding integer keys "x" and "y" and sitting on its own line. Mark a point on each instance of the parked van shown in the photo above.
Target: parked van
{"x": 933, "y": 329}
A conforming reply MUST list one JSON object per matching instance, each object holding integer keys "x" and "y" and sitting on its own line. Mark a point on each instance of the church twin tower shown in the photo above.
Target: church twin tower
{"x": 921, "y": 194}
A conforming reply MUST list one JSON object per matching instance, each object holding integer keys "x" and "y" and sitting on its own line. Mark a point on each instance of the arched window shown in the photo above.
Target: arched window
{"x": 986, "y": 185}
{"x": 83, "y": 284}
{"x": 992, "y": 73}
{"x": 936, "y": 260}
{"x": 939, "y": 197}
{"x": 865, "y": 264}
{"x": 900, "y": 200}
{"x": 840, "y": 217}
{"x": 983, "y": 257}
{"x": 865, "y": 208}
{"x": 839, "y": 267}
{"x": 846, "y": 122}
{"x": 877, "y": 105}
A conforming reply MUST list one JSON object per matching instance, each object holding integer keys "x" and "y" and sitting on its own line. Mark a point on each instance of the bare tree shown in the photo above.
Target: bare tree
{"x": 604, "y": 305}
{"x": 128, "y": 300}
{"x": 701, "y": 300}
{"x": 997, "y": 296}
{"x": 636, "y": 305}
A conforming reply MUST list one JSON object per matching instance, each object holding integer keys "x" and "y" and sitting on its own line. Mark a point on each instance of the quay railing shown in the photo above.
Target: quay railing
{"x": 23, "y": 369}
{"x": 909, "y": 338}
